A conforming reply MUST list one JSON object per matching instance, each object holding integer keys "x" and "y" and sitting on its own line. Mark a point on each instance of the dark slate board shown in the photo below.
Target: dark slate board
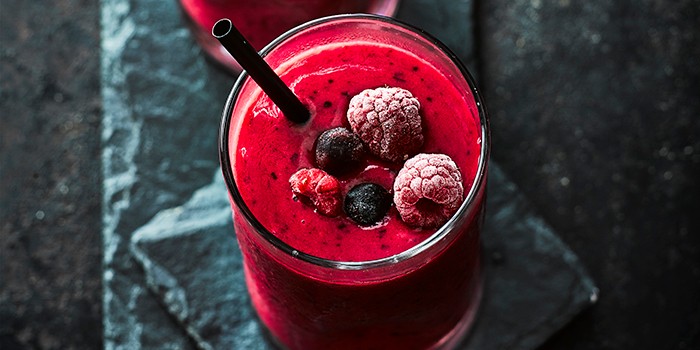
{"x": 192, "y": 263}
{"x": 163, "y": 280}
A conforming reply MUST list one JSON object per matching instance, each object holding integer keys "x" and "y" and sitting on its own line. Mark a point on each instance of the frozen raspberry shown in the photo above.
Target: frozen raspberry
{"x": 387, "y": 121}
{"x": 338, "y": 151}
{"x": 321, "y": 189}
{"x": 428, "y": 190}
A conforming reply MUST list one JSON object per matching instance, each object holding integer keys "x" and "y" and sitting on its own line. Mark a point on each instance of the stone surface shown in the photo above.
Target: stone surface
{"x": 193, "y": 264}
{"x": 49, "y": 176}
{"x": 534, "y": 283}
{"x": 162, "y": 105}
{"x": 630, "y": 214}
{"x": 596, "y": 104}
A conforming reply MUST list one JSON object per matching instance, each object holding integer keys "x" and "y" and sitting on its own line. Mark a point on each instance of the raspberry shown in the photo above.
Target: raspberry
{"x": 428, "y": 190}
{"x": 321, "y": 189}
{"x": 338, "y": 151}
{"x": 387, "y": 121}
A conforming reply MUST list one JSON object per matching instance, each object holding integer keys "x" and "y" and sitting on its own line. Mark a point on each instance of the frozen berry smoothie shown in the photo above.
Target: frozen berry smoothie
{"x": 261, "y": 21}
{"x": 360, "y": 228}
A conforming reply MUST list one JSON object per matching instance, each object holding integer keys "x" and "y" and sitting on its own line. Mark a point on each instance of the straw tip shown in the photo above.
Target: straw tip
{"x": 221, "y": 28}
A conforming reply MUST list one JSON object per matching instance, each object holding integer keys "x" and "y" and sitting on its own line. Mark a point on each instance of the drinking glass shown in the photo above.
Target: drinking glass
{"x": 422, "y": 298}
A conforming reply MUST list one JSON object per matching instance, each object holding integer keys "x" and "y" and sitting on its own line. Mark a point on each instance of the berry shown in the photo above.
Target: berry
{"x": 367, "y": 203}
{"x": 387, "y": 121}
{"x": 338, "y": 151}
{"x": 428, "y": 190}
{"x": 320, "y": 188}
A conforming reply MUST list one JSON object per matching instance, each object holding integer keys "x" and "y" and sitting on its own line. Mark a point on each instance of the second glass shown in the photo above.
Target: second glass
{"x": 260, "y": 21}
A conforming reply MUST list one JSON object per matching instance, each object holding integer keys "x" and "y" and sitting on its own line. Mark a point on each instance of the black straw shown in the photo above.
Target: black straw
{"x": 234, "y": 42}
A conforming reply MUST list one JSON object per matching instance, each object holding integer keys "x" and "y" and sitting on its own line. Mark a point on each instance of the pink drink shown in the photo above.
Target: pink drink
{"x": 260, "y": 21}
{"x": 326, "y": 283}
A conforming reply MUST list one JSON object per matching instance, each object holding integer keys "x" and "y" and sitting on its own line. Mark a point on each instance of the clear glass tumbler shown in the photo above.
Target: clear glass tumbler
{"x": 422, "y": 298}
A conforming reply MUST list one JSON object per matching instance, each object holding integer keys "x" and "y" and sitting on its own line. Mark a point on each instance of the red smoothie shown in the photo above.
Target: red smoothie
{"x": 321, "y": 282}
{"x": 260, "y": 21}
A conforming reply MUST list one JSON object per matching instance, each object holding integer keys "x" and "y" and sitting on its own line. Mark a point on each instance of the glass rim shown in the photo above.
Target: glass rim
{"x": 439, "y": 234}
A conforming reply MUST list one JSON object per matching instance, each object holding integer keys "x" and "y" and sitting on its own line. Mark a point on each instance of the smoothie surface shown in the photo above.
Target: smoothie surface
{"x": 266, "y": 149}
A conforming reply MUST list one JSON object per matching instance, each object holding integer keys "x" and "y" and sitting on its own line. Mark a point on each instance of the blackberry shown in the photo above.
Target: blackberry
{"x": 367, "y": 203}
{"x": 338, "y": 151}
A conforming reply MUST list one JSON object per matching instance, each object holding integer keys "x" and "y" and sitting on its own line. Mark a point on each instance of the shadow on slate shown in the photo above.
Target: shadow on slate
{"x": 534, "y": 283}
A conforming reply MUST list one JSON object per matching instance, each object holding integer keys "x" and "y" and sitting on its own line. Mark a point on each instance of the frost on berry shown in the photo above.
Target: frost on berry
{"x": 320, "y": 188}
{"x": 428, "y": 190}
{"x": 387, "y": 121}
{"x": 338, "y": 151}
{"x": 367, "y": 203}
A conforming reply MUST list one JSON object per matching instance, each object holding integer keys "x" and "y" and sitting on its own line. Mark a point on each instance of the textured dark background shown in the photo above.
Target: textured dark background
{"x": 50, "y": 109}
{"x": 595, "y": 109}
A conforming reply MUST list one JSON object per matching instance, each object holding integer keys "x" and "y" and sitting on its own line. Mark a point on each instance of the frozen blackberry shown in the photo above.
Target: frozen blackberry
{"x": 338, "y": 151}
{"x": 367, "y": 203}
